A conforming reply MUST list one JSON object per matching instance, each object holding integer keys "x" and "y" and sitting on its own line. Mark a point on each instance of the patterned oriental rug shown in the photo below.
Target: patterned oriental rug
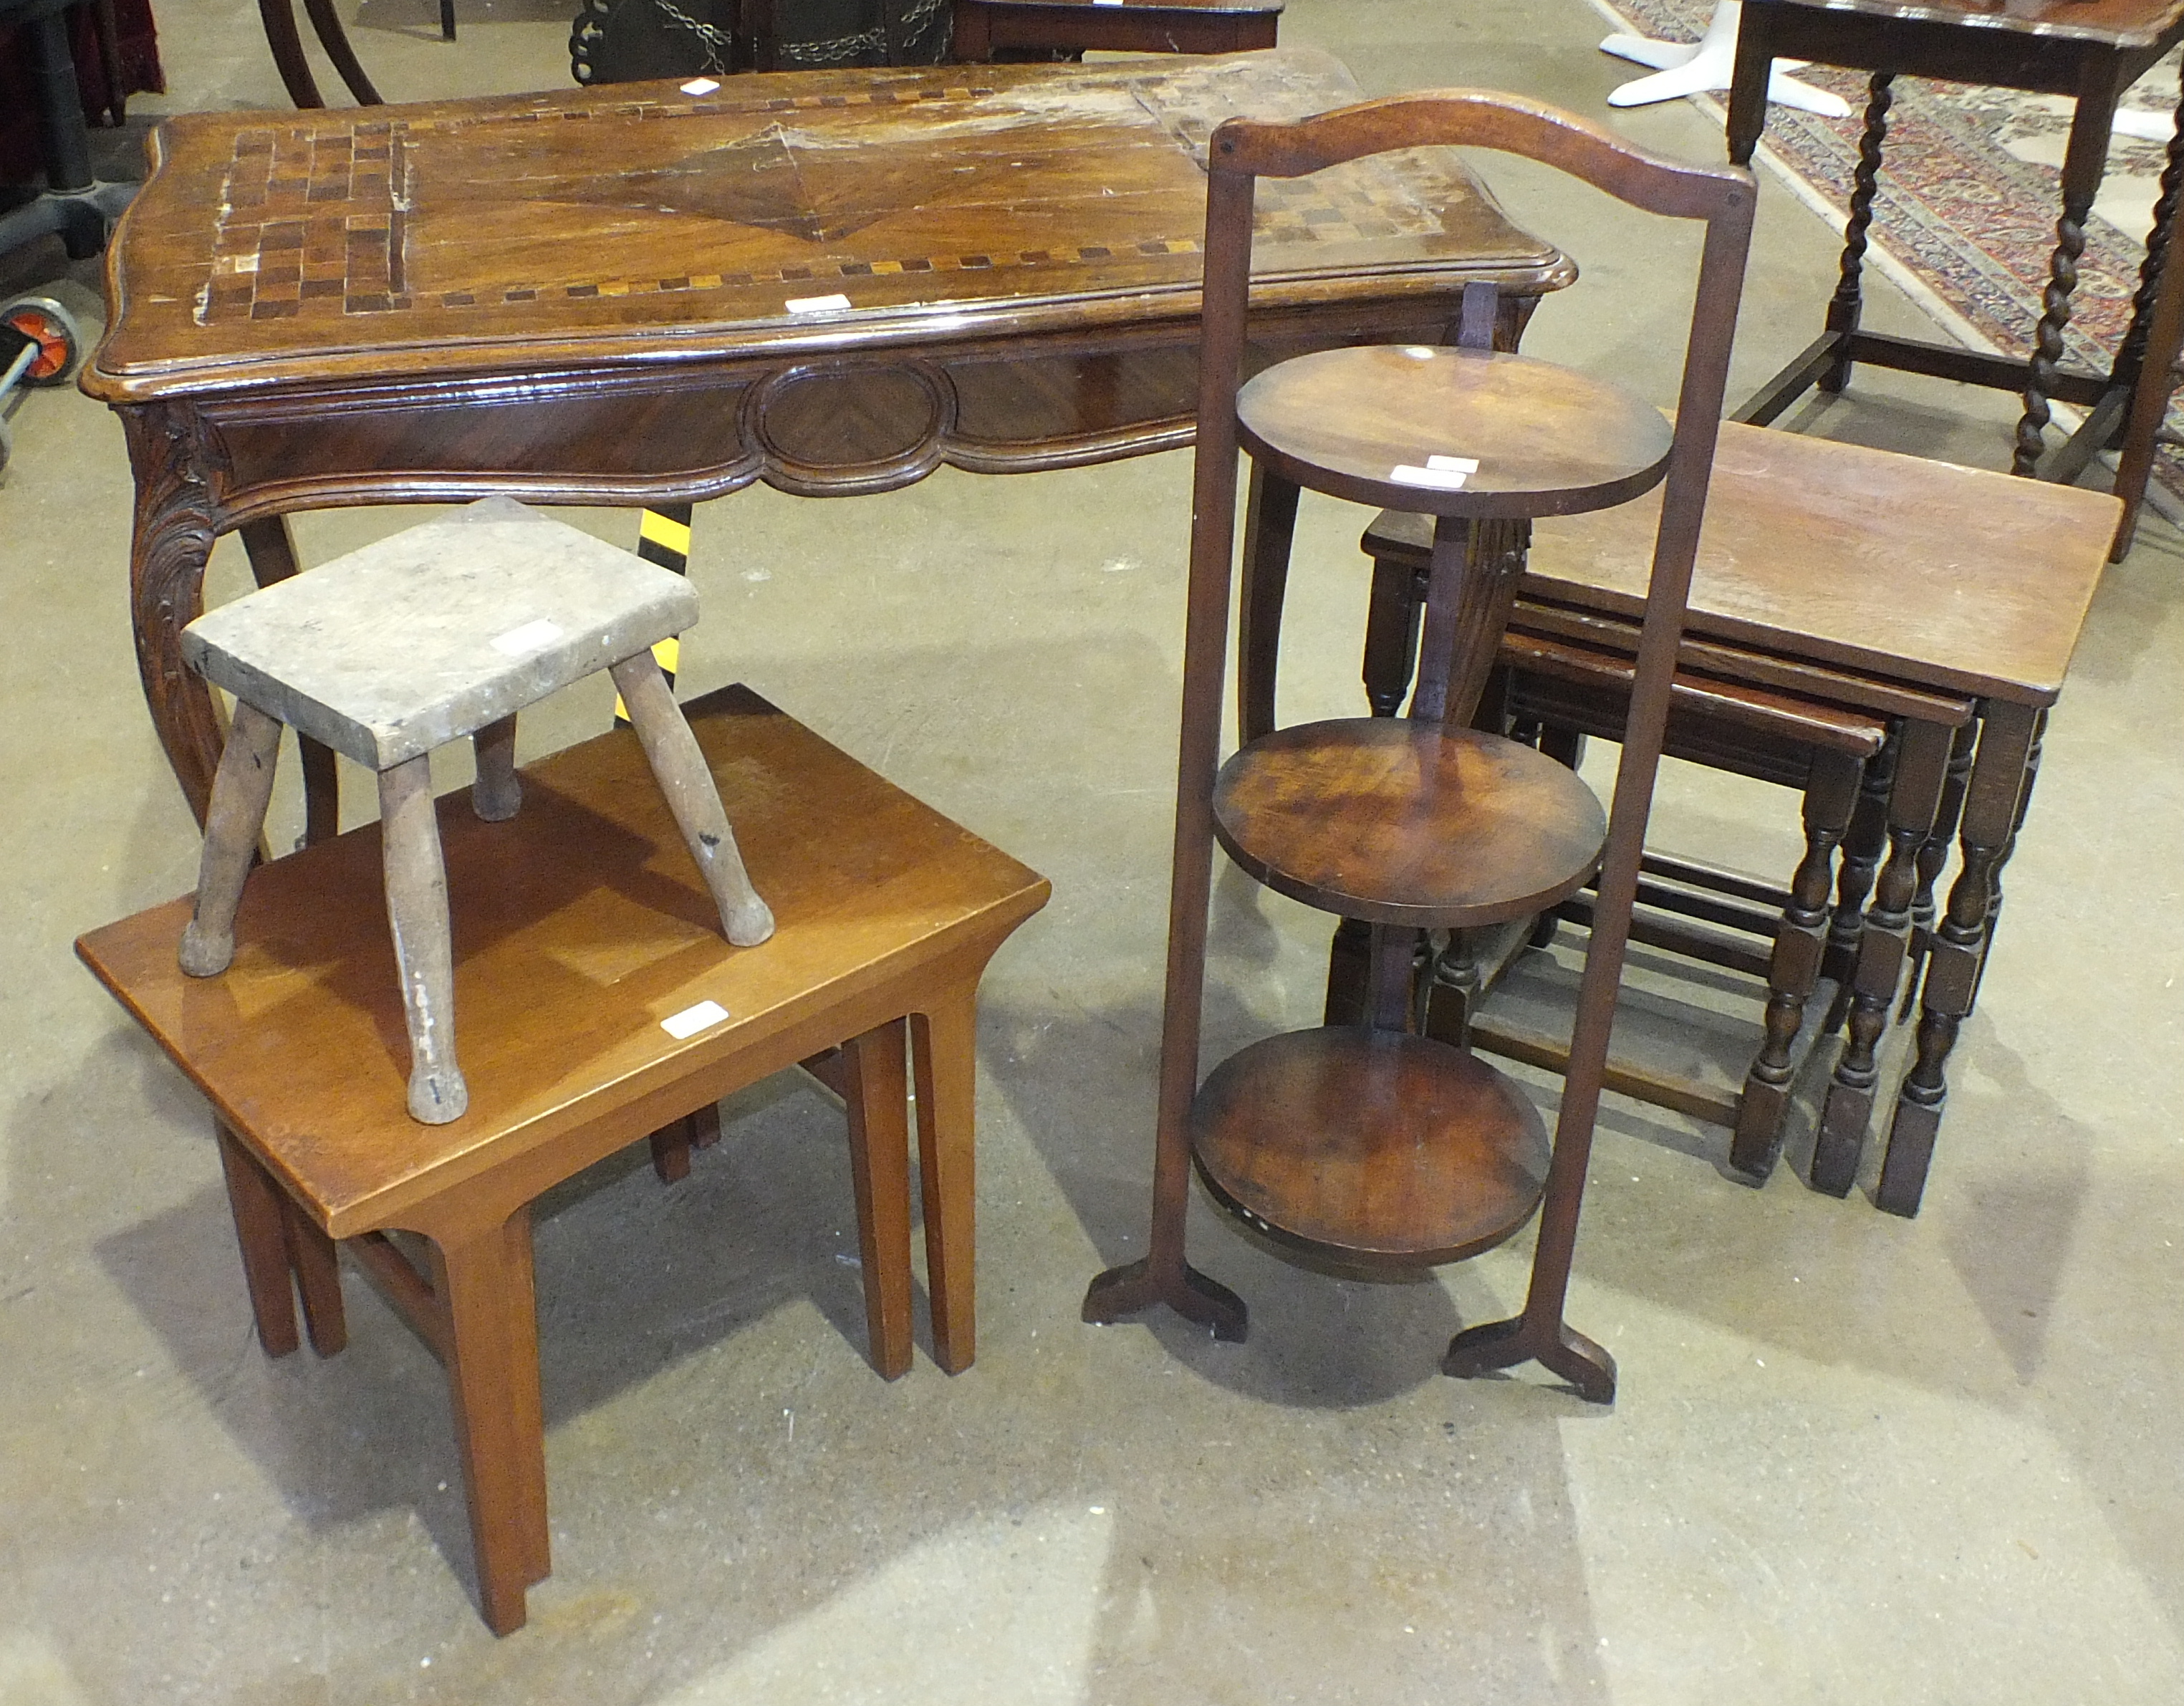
{"x": 1969, "y": 193}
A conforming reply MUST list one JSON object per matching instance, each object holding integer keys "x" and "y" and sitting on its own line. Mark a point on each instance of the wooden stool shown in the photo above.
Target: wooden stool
{"x": 1374, "y": 1145}
{"x": 444, "y": 631}
{"x": 601, "y": 1005}
{"x": 986, "y": 27}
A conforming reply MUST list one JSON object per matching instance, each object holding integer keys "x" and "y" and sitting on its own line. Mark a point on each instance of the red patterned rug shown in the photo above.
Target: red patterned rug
{"x": 1968, "y": 197}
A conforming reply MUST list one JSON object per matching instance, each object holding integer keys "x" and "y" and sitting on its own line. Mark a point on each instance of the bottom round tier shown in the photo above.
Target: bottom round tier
{"x": 1378, "y": 1148}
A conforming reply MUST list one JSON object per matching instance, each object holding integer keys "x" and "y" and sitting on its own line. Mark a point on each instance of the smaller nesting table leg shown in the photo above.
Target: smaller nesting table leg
{"x": 945, "y": 1049}
{"x": 1912, "y": 802}
{"x": 417, "y": 909}
{"x": 483, "y": 1282}
{"x": 241, "y": 789}
{"x": 1959, "y": 949}
{"x": 1794, "y": 970}
{"x": 877, "y": 1072}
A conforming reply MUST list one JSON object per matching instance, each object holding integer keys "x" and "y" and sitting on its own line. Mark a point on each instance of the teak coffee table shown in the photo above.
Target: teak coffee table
{"x": 831, "y": 281}
{"x": 582, "y": 933}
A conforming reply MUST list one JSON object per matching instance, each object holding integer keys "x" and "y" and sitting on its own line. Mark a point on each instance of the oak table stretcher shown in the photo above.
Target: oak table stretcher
{"x": 834, "y": 281}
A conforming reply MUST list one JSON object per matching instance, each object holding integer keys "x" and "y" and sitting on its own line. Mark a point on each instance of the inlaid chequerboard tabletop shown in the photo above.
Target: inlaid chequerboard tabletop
{"x": 495, "y": 232}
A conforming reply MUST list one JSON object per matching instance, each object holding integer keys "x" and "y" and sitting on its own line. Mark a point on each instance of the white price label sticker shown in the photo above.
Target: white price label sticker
{"x": 1438, "y": 479}
{"x": 817, "y": 305}
{"x": 699, "y": 86}
{"x": 522, "y": 642}
{"x": 692, "y": 1020}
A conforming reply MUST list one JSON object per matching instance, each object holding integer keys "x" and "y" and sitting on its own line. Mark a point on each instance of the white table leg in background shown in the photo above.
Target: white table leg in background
{"x": 1687, "y": 69}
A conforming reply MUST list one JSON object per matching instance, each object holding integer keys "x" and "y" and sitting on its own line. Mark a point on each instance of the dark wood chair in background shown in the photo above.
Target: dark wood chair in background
{"x": 2087, "y": 53}
{"x": 987, "y": 28}
{"x": 1372, "y": 1145}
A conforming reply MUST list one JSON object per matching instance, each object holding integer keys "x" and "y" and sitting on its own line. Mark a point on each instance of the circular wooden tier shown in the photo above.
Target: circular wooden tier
{"x": 1377, "y": 1148}
{"x": 1399, "y": 821}
{"x": 1548, "y": 441}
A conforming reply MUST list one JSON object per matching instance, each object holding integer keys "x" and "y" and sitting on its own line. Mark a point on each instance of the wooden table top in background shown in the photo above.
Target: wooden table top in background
{"x": 640, "y": 221}
{"x": 2123, "y": 23}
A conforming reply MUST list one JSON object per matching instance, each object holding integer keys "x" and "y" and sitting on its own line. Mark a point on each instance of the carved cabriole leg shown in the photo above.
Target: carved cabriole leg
{"x": 877, "y": 1068}
{"x": 496, "y": 795}
{"x": 1794, "y": 970}
{"x": 482, "y": 1281}
{"x": 2083, "y": 163}
{"x": 272, "y": 552}
{"x": 1863, "y": 846}
{"x": 417, "y": 910}
{"x": 241, "y": 789}
{"x": 174, "y": 522}
{"x": 1844, "y": 309}
{"x": 695, "y": 802}
{"x": 1960, "y": 943}
{"x": 944, "y": 1054}
{"x": 1270, "y": 510}
{"x": 1911, "y": 806}
{"x": 253, "y": 1200}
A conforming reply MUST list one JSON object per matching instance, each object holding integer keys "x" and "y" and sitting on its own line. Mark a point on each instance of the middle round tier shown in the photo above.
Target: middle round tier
{"x": 1397, "y": 822}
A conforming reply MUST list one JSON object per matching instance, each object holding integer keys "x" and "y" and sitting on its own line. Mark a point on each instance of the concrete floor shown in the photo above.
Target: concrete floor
{"x": 1854, "y": 1458}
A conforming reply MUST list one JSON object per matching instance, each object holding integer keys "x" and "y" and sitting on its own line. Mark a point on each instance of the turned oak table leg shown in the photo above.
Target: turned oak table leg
{"x": 1912, "y": 802}
{"x": 1794, "y": 970}
{"x": 876, "y": 1071}
{"x": 483, "y": 1281}
{"x": 1959, "y": 949}
{"x": 1863, "y": 846}
{"x": 944, "y": 1050}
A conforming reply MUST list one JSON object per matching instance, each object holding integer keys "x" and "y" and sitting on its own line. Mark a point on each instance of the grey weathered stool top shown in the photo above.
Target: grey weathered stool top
{"x": 429, "y": 636}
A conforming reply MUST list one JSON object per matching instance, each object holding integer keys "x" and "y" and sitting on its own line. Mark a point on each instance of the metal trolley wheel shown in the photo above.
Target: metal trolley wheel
{"x": 40, "y": 344}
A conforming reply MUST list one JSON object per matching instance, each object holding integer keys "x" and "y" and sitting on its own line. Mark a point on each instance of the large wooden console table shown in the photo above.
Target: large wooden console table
{"x": 834, "y": 281}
